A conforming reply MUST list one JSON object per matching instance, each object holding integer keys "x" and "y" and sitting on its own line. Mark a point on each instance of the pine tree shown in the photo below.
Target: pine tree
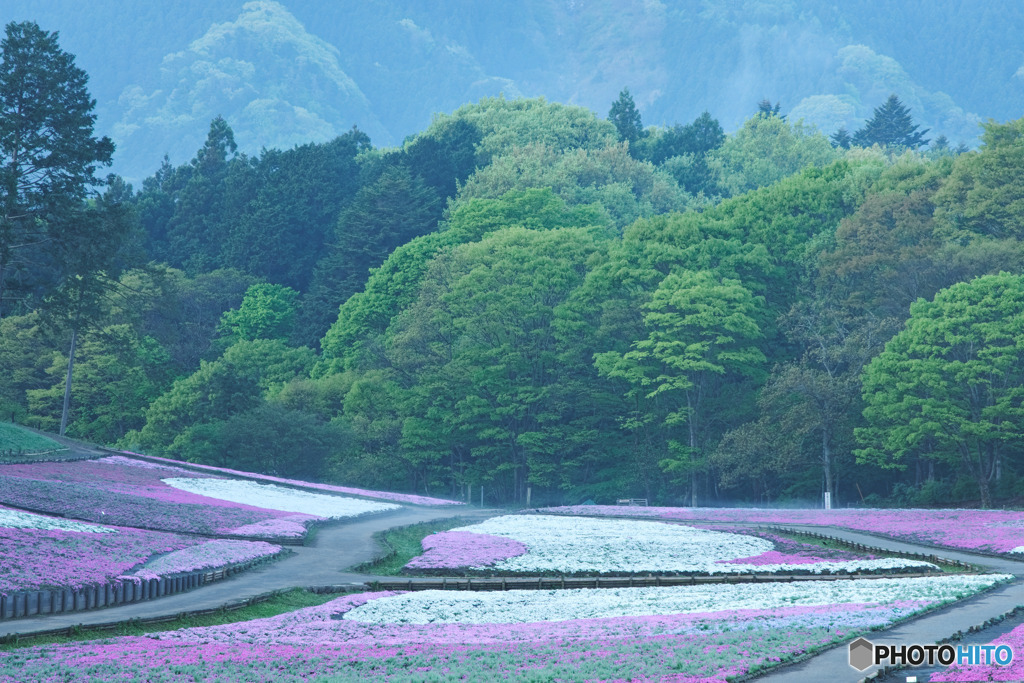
{"x": 48, "y": 158}
{"x": 626, "y": 118}
{"x": 890, "y": 126}
{"x": 765, "y": 108}
{"x": 841, "y": 138}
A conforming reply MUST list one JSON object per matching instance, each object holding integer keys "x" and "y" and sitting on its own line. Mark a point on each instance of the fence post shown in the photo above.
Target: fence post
{"x": 32, "y": 599}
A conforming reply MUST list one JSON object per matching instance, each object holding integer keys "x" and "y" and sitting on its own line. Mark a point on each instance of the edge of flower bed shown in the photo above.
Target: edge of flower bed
{"x": 924, "y": 544}
{"x": 882, "y": 672}
{"x": 888, "y": 537}
{"x": 231, "y": 606}
{"x": 933, "y": 558}
{"x": 116, "y": 591}
{"x": 258, "y": 478}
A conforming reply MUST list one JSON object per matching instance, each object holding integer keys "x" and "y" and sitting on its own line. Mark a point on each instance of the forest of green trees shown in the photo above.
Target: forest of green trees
{"x": 527, "y": 295}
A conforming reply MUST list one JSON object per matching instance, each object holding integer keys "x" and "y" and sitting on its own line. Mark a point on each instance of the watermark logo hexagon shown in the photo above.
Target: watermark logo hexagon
{"x": 862, "y": 654}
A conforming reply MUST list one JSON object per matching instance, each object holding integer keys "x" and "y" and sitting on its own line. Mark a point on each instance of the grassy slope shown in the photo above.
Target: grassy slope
{"x": 405, "y": 544}
{"x": 18, "y": 438}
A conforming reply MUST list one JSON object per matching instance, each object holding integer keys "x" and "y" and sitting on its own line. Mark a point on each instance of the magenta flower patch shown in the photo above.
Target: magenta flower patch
{"x": 321, "y": 642}
{"x": 461, "y": 549}
{"x": 999, "y": 531}
{"x": 109, "y": 491}
{"x": 40, "y": 559}
{"x": 990, "y": 671}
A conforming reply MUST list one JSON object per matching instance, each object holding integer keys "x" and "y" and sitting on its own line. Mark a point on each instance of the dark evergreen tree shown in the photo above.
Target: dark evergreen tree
{"x": 626, "y": 118}
{"x": 891, "y": 126}
{"x": 48, "y": 160}
{"x": 384, "y": 214}
{"x": 445, "y": 158}
{"x": 697, "y": 138}
{"x": 196, "y": 231}
{"x": 841, "y": 138}
{"x": 288, "y": 208}
{"x": 765, "y": 108}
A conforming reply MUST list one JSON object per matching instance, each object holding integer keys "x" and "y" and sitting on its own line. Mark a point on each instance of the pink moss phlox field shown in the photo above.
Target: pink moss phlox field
{"x": 409, "y": 498}
{"x": 209, "y": 555}
{"x": 999, "y": 531}
{"x": 455, "y": 549}
{"x": 113, "y": 491}
{"x": 318, "y": 641}
{"x": 1013, "y": 672}
{"x": 36, "y": 558}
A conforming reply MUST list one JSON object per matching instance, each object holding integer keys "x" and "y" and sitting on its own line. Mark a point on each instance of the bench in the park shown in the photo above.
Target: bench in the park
{"x": 632, "y": 501}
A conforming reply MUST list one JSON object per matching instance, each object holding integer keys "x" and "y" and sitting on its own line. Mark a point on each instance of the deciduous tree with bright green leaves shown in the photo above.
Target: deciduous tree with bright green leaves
{"x": 701, "y": 328}
{"x": 951, "y": 384}
{"x": 267, "y": 312}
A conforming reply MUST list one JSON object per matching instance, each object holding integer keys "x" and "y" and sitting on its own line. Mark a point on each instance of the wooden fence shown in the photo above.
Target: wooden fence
{"x": 118, "y": 592}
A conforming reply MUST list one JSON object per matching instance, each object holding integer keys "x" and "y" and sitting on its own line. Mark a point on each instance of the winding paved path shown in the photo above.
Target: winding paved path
{"x": 833, "y": 665}
{"x": 339, "y": 547}
{"x": 334, "y": 549}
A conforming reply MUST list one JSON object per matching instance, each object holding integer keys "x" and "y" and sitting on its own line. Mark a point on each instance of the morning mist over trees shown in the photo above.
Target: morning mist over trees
{"x": 697, "y": 253}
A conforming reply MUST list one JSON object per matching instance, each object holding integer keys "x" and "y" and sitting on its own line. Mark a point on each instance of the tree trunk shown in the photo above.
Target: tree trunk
{"x": 826, "y": 460}
{"x": 986, "y": 500}
{"x": 693, "y": 450}
{"x": 67, "y": 382}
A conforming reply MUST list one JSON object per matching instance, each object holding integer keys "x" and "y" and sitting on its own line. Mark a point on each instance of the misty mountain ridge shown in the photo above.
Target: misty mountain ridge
{"x": 286, "y": 73}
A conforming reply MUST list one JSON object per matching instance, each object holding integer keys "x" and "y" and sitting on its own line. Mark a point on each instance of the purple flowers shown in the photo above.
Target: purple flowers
{"x": 37, "y": 558}
{"x": 320, "y": 642}
{"x": 207, "y": 555}
{"x": 991, "y": 671}
{"x": 111, "y": 492}
{"x": 999, "y": 531}
{"x": 40, "y": 558}
{"x": 461, "y": 549}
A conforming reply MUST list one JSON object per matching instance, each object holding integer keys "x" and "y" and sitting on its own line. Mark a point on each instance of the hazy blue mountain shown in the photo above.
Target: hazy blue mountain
{"x": 305, "y": 70}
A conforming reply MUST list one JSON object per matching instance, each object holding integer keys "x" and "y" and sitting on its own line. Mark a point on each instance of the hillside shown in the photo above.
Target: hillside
{"x": 291, "y": 72}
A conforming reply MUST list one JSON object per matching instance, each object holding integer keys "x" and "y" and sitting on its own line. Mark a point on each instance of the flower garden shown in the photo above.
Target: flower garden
{"x": 682, "y": 634}
{"x": 706, "y": 632}
{"x": 403, "y": 498}
{"x": 54, "y": 565}
{"x": 134, "y": 493}
{"x": 546, "y": 544}
{"x": 1014, "y": 672}
{"x": 125, "y": 525}
{"x": 992, "y": 531}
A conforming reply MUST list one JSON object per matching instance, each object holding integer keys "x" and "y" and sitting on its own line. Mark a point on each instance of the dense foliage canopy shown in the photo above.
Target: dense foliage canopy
{"x": 557, "y": 307}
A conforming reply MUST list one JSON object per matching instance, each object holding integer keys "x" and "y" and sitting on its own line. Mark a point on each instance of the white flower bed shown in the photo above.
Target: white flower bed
{"x": 585, "y": 545}
{"x": 512, "y": 607}
{"x": 274, "y": 497}
{"x": 14, "y": 519}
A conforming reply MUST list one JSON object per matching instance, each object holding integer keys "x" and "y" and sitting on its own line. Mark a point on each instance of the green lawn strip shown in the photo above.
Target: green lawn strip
{"x": 288, "y": 601}
{"x": 13, "y": 437}
{"x": 404, "y": 543}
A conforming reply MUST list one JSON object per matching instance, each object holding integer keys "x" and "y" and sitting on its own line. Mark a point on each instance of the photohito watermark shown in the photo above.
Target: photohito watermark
{"x": 864, "y": 654}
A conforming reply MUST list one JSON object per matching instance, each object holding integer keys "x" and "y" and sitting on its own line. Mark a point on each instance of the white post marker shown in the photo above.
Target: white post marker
{"x": 828, "y": 500}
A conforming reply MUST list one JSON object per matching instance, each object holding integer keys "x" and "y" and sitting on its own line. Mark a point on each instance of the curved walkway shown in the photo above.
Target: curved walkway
{"x": 337, "y": 548}
{"x": 833, "y": 665}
